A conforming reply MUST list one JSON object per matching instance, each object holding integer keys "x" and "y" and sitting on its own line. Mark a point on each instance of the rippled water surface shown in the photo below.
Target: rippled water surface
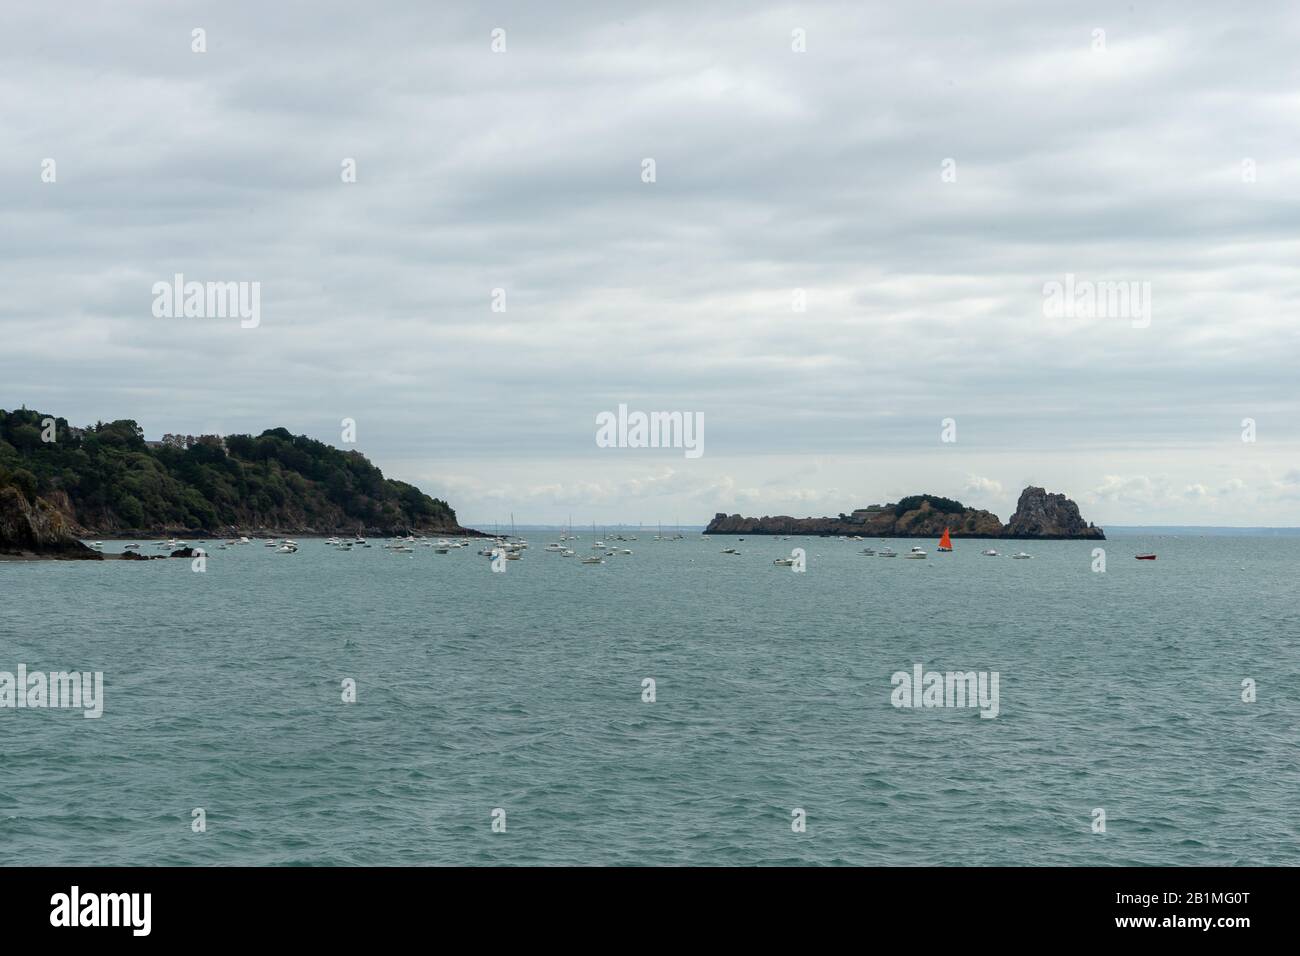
{"x": 523, "y": 691}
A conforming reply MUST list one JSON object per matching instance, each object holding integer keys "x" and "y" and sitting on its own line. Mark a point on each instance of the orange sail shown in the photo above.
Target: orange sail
{"x": 945, "y": 543}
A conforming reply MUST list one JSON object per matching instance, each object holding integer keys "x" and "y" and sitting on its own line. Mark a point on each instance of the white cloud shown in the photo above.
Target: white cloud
{"x": 983, "y": 486}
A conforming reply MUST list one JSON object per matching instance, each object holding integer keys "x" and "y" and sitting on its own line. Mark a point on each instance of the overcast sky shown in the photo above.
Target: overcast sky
{"x": 1164, "y": 151}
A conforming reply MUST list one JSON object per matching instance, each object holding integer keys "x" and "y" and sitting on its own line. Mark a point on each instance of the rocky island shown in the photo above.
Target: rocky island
{"x": 59, "y": 483}
{"x": 1039, "y": 514}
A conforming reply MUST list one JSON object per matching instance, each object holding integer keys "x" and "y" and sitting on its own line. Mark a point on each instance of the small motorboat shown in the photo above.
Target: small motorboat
{"x": 868, "y": 552}
{"x": 916, "y": 553}
{"x": 990, "y": 553}
{"x": 1021, "y": 556}
{"x": 593, "y": 560}
{"x": 886, "y": 553}
{"x": 784, "y": 562}
{"x": 1145, "y": 557}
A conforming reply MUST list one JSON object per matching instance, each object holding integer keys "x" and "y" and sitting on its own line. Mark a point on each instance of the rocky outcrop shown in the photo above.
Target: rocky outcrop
{"x": 1038, "y": 515}
{"x": 922, "y": 522}
{"x": 37, "y": 530}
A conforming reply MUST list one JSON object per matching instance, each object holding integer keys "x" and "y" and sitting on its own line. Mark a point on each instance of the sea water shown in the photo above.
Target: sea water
{"x": 1163, "y": 694}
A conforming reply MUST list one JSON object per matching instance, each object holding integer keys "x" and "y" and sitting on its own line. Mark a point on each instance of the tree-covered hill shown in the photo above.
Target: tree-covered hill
{"x": 107, "y": 479}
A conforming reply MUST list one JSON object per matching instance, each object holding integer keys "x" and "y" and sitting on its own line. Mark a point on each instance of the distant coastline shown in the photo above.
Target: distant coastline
{"x": 1190, "y": 530}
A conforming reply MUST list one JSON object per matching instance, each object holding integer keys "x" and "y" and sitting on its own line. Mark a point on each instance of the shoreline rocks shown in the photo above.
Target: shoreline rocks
{"x": 37, "y": 530}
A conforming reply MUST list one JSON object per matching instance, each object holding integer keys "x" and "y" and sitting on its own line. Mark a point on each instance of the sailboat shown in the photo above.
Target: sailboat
{"x": 945, "y": 543}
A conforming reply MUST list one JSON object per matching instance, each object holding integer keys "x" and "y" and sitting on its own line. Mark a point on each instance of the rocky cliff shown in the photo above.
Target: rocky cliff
{"x": 37, "y": 530}
{"x": 1038, "y": 515}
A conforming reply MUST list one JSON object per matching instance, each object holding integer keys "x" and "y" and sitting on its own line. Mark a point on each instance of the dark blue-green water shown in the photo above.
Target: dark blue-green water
{"x": 523, "y": 691}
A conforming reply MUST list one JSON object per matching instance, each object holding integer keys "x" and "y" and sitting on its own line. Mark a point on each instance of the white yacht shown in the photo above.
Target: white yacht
{"x": 916, "y": 553}
{"x": 1021, "y": 556}
{"x": 990, "y": 553}
{"x": 886, "y": 553}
